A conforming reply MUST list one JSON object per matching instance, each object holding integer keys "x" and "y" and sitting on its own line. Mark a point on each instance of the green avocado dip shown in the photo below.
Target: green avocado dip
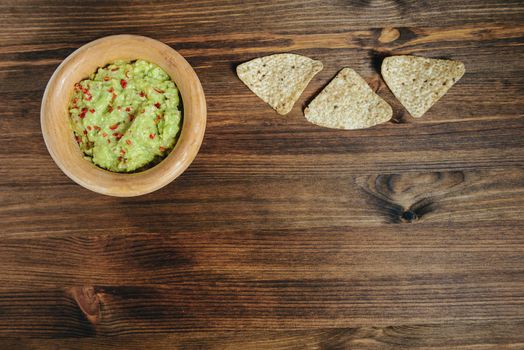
{"x": 126, "y": 115}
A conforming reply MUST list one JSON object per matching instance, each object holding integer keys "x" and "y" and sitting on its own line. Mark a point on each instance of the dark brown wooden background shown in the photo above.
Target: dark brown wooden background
{"x": 281, "y": 235}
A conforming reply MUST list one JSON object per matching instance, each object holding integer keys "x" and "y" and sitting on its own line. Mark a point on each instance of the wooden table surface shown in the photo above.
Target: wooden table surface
{"x": 282, "y": 234}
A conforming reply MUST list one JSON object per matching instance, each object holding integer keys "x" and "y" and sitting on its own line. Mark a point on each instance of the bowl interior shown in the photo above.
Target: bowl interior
{"x": 78, "y": 66}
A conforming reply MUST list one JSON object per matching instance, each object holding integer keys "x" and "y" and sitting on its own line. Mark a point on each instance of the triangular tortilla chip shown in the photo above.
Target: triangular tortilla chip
{"x": 348, "y": 102}
{"x": 279, "y": 79}
{"x": 419, "y": 82}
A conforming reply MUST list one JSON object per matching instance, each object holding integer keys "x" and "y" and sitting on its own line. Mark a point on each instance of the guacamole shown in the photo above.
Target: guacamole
{"x": 126, "y": 115}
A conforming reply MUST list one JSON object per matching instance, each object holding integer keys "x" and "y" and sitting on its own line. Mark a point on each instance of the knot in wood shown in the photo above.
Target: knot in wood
{"x": 87, "y": 301}
{"x": 388, "y": 35}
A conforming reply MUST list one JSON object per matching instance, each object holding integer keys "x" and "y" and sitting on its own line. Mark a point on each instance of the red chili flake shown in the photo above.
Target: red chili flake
{"x": 110, "y": 89}
{"x": 157, "y": 105}
{"x": 78, "y": 139}
{"x": 114, "y": 69}
{"x": 104, "y": 134}
{"x": 128, "y": 109}
{"x": 87, "y": 94}
{"x": 85, "y": 132}
{"x": 162, "y": 149}
{"x": 128, "y": 141}
{"x": 142, "y": 94}
{"x": 75, "y": 100}
{"x": 123, "y": 83}
{"x": 92, "y": 110}
{"x": 118, "y": 135}
{"x": 82, "y": 113}
{"x": 106, "y": 78}
{"x": 152, "y": 136}
{"x": 122, "y": 151}
{"x": 119, "y": 108}
{"x": 89, "y": 128}
{"x": 113, "y": 97}
{"x": 110, "y": 109}
{"x": 119, "y": 159}
{"x": 78, "y": 86}
{"x": 159, "y": 91}
{"x": 131, "y": 117}
{"x": 96, "y": 127}
{"x": 114, "y": 126}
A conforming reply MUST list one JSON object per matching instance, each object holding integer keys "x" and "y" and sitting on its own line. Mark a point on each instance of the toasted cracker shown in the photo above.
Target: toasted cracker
{"x": 348, "y": 102}
{"x": 279, "y": 79}
{"x": 419, "y": 82}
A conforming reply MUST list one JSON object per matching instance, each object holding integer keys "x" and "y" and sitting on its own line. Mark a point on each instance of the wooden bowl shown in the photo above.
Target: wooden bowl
{"x": 59, "y": 138}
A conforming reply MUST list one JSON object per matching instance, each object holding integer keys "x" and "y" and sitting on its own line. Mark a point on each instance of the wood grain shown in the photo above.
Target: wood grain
{"x": 435, "y": 337}
{"x": 281, "y": 234}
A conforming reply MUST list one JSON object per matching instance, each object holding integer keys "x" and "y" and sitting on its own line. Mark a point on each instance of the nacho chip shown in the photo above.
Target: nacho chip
{"x": 348, "y": 102}
{"x": 279, "y": 79}
{"x": 419, "y": 82}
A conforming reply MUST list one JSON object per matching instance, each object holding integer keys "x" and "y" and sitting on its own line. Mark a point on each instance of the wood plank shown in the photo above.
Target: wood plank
{"x": 274, "y": 203}
{"x": 54, "y": 20}
{"x": 461, "y": 336}
{"x": 132, "y": 257}
{"x": 254, "y": 305}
